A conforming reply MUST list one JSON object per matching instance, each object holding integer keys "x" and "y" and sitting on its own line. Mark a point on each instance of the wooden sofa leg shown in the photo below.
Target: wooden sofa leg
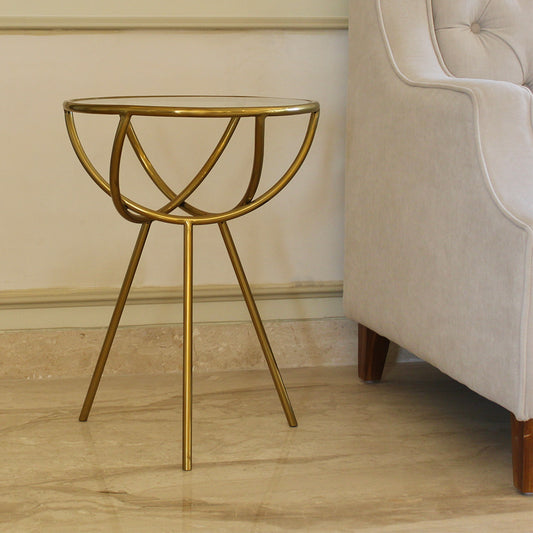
{"x": 372, "y": 354}
{"x": 522, "y": 435}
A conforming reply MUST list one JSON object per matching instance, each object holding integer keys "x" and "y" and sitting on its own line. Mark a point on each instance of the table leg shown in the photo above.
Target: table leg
{"x": 115, "y": 319}
{"x": 258, "y": 325}
{"x": 187, "y": 349}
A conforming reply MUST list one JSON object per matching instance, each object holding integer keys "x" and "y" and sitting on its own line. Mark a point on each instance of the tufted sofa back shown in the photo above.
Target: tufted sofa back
{"x": 491, "y": 39}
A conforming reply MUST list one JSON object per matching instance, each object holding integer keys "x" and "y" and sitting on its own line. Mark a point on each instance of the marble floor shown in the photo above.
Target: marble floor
{"x": 416, "y": 453}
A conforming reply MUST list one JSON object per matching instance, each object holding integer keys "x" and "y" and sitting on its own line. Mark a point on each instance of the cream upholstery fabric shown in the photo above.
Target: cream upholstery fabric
{"x": 439, "y": 187}
{"x": 486, "y": 39}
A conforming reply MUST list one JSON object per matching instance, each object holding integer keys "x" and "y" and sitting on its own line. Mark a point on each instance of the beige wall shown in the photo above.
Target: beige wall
{"x": 60, "y": 231}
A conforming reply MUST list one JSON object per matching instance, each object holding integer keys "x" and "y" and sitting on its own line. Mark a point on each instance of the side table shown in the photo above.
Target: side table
{"x": 233, "y": 109}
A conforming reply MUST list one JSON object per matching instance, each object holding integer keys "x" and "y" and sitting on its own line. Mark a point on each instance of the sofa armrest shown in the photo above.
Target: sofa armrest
{"x": 438, "y": 221}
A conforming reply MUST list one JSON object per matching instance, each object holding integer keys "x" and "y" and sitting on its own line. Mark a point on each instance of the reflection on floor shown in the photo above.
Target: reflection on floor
{"x": 417, "y": 452}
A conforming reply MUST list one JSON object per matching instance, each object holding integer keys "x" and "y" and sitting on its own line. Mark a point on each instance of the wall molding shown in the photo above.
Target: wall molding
{"x": 167, "y": 14}
{"x": 51, "y": 23}
{"x": 68, "y": 308}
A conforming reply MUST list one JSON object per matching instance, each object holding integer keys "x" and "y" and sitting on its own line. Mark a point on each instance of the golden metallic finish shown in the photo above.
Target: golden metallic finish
{"x": 115, "y": 319}
{"x": 192, "y": 106}
{"x": 233, "y": 108}
{"x": 187, "y": 348}
{"x": 258, "y": 324}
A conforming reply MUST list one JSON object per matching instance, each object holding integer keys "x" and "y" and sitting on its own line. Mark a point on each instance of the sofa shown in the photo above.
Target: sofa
{"x": 439, "y": 195}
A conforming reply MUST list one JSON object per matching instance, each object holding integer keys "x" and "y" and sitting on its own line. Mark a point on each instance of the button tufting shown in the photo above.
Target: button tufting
{"x": 475, "y": 27}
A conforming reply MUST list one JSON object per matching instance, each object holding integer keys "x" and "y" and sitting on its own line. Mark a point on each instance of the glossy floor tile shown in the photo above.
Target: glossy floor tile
{"x": 417, "y": 452}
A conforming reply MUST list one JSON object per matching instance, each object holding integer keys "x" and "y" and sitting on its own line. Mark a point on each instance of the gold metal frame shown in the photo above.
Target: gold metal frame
{"x": 125, "y": 108}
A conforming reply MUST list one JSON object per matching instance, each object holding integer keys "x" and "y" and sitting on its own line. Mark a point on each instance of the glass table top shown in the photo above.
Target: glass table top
{"x": 192, "y": 105}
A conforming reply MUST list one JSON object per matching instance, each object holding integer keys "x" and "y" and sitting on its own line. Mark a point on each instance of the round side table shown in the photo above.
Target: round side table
{"x": 233, "y": 109}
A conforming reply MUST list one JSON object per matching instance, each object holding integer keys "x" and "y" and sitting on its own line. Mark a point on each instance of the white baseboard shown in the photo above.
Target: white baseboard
{"x": 89, "y": 308}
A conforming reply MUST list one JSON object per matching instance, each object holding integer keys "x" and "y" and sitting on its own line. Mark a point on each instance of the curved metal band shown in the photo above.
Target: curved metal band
{"x": 138, "y": 213}
{"x": 178, "y": 199}
{"x": 84, "y": 159}
{"x": 259, "y": 155}
{"x": 82, "y": 156}
{"x": 147, "y": 164}
{"x": 121, "y": 203}
{"x": 238, "y": 211}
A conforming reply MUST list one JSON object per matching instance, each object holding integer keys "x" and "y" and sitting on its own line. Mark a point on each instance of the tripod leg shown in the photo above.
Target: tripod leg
{"x": 258, "y": 325}
{"x": 186, "y": 448}
{"x": 115, "y": 319}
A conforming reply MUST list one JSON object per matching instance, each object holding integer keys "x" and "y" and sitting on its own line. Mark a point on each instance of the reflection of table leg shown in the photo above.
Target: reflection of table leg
{"x": 186, "y": 449}
{"x": 115, "y": 319}
{"x": 258, "y": 324}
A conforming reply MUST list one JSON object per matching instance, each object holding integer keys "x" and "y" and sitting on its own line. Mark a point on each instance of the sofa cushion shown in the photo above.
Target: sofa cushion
{"x": 491, "y": 39}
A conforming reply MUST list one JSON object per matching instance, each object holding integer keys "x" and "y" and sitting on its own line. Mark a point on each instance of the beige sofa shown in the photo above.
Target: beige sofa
{"x": 439, "y": 195}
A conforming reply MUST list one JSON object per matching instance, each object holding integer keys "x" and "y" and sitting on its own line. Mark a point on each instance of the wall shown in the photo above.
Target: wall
{"x": 61, "y": 236}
